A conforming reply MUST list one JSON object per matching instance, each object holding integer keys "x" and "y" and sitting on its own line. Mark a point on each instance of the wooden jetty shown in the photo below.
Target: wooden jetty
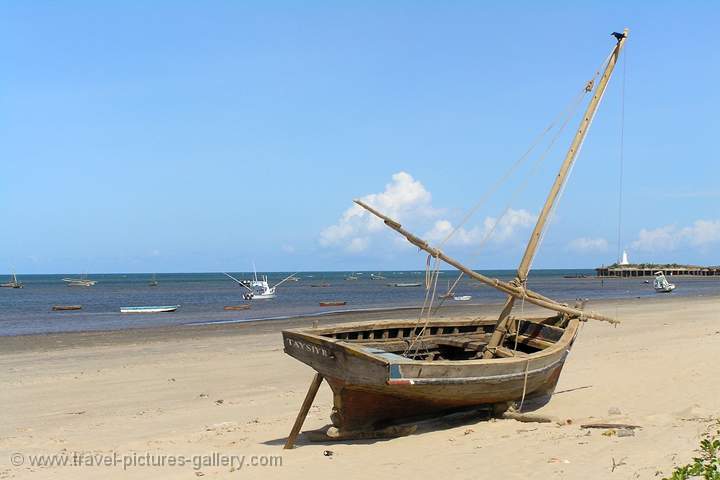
{"x": 649, "y": 269}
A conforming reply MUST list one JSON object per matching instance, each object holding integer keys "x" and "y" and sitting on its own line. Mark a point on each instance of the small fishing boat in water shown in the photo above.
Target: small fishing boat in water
{"x": 150, "y": 309}
{"x": 462, "y": 298}
{"x": 333, "y": 303}
{"x": 244, "y": 306}
{"x": 13, "y": 283}
{"x": 404, "y": 285}
{"x": 258, "y": 289}
{"x": 661, "y": 283}
{"x": 63, "y": 308}
{"x": 79, "y": 282}
{"x": 153, "y": 282}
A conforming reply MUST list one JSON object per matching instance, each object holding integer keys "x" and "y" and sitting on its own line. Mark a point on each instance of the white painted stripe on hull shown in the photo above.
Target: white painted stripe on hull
{"x": 485, "y": 379}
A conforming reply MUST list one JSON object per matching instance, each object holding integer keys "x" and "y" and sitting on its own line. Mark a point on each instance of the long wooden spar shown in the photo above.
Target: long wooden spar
{"x": 501, "y": 327}
{"x": 510, "y": 288}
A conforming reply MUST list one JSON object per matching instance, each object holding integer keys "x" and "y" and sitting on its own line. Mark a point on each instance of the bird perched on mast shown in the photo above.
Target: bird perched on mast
{"x": 617, "y": 35}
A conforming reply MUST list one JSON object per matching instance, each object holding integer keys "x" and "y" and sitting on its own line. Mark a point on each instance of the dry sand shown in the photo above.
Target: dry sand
{"x": 233, "y": 391}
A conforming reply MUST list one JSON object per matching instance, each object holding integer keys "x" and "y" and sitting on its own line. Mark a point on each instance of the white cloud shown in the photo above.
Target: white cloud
{"x": 501, "y": 231}
{"x": 658, "y": 239}
{"x": 442, "y": 228}
{"x": 702, "y": 233}
{"x": 509, "y": 223}
{"x": 403, "y": 198}
{"x": 288, "y": 248}
{"x": 588, "y": 245}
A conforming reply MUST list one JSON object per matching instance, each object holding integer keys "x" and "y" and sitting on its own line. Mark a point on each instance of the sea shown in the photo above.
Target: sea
{"x": 202, "y": 296}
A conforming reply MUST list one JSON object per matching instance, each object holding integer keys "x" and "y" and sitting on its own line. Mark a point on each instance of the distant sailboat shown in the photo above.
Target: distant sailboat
{"x": 13, "y": 283}
{"x": 661, "y": 283}
{"x": 153, "y": 282}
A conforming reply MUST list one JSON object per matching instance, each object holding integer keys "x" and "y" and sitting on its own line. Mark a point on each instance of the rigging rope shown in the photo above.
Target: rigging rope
{"x": 571, "y": 106}
{"x": 569, "y": 113}
{"x": 622, "y": 155}
{"x": 622, "y": 168}
{"x": 431, "y": 276}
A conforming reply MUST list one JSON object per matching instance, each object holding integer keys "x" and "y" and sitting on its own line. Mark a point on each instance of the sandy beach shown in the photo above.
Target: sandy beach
{"x": 231, "y": 391}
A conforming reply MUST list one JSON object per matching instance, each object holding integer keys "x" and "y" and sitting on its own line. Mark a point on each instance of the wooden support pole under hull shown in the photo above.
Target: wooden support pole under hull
{"x": 304, "y": 409}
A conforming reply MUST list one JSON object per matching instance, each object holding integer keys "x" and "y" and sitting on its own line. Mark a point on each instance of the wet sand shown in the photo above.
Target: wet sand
{"x": 229, "y": 389}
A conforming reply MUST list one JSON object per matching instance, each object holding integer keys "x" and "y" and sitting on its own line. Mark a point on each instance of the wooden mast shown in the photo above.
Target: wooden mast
{"x": 502, "y": 323}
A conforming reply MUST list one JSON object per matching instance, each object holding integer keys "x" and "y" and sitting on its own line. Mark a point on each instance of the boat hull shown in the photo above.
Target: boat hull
{"x": 63, "y": 308}
{"x": 373, "y": 407}
{"x": 373, "y": 388}
{"x": 333, "y": 304}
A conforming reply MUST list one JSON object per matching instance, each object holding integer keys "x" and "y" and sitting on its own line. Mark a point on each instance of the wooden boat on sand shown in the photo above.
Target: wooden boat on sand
{"x": 384, "y": 373}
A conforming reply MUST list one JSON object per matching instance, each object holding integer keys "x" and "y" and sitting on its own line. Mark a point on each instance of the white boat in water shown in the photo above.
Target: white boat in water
{"x": 13, "y": 283}
{"x": 259, "y": 289}
{"x": 79, "y": 282}
{"x": 462, "y": 298}
{"x": 661, "y": 283}
{"x": 151, "y": 309}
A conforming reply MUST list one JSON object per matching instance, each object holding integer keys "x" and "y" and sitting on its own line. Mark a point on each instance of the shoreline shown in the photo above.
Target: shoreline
{"x": 10, "y": 344}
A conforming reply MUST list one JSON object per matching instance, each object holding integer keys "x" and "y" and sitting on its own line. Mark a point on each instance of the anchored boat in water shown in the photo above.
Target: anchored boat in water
{"x": 150, "y": 309}
{"x": 382, "y": 373}
{"x": 661, "y": 283}
{"x": 79, "y": 282}
{"x": 259, "y": 289}
{"x": 13, "y": 283}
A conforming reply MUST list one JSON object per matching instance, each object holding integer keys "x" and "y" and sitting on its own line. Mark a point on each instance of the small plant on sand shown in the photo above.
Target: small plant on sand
{"x": 707, "y": 465}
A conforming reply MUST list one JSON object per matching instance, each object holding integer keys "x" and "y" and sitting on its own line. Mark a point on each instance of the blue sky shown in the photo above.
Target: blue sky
{"x": 186, "y": 136}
